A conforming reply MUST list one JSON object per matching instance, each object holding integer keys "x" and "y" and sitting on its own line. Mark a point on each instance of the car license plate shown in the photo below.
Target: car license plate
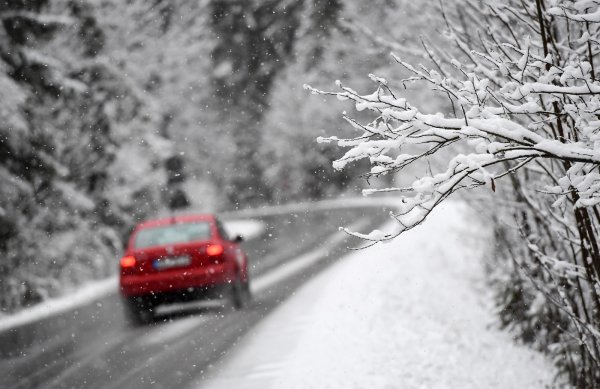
{"x": 169, "y": 262}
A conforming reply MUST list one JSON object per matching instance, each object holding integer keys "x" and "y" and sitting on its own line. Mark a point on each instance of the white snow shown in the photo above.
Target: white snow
{"x": 408, "y": 314}
{"x": 248, "y": 229}
{"x": 295, "y": 265}
{"x": 76, "y": 298}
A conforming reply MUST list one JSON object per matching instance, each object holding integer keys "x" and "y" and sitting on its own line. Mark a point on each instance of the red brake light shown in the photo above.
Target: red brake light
{"x": 128, "y": 261}
{"x": 214, "y": 249}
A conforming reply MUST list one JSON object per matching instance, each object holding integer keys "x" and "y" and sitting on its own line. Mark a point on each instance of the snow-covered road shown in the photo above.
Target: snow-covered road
{"x": 83, "y": 340}
{"x": 409, "y": 314}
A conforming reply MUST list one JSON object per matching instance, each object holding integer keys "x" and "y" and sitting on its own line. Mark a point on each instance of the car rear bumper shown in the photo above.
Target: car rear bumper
{"x": 174, "y": 280}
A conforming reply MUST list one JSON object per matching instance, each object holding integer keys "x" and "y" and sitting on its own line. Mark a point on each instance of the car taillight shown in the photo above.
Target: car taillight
{"x": 214, "y": 249}
{"x": 128, "y": 261}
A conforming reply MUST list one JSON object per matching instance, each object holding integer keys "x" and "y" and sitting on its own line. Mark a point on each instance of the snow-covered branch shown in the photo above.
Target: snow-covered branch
{"x": 504, "y": 93}
{"x": 523, "y": 108}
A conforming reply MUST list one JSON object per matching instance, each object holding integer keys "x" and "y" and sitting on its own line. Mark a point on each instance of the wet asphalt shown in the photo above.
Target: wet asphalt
{"x": 94, "y": 346}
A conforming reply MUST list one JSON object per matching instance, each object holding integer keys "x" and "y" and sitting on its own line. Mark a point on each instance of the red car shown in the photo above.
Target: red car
{"x": 179, "y": 259}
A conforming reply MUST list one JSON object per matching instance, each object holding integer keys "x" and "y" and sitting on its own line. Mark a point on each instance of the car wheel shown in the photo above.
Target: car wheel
{"x": 138, "y": 311}
{"x": 240, "y": 293}
{"x": 247, "y": 291}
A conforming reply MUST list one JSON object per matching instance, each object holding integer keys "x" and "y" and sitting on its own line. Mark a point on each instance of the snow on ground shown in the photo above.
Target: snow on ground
{"x": 295, "y": 265}
{"x": 248, "y": 229}
{"x": 407, "y": 314}
{"x": 90, "y": 292}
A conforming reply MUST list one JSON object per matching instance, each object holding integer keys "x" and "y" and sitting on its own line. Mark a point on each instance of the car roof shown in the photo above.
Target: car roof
{"x": 206, "y": 217}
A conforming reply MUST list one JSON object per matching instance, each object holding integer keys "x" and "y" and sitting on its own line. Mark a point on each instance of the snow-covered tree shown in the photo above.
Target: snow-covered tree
{"x": 522, "y": 84}
{"x": 65, "y": 109}
{"x": 293, "y": 167}
{"x": 112, "y": 110}
{"x": 209, "y": 70}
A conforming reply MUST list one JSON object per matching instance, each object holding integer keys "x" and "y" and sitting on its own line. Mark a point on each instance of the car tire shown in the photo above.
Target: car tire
{"x": 247, "y": 291}
{"x": 240, "y": 293}
{"x": 138, "y": 311}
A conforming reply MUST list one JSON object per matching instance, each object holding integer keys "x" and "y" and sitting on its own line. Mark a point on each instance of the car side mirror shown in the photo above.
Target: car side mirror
{"x": 238, "y": 239}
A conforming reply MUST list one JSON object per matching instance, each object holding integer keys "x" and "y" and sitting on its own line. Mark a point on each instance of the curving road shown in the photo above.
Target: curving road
{"x": 94, "y": 347}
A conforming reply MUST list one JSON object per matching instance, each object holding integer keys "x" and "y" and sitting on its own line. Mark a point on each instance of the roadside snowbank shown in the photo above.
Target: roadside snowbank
{"x": 92, "y": 291}
{"x": 407, "y": 314}
{"x": 249, "y": 229}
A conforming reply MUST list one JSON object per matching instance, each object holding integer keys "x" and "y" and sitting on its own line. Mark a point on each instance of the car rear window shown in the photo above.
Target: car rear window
{"x": 172, "y": 234}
